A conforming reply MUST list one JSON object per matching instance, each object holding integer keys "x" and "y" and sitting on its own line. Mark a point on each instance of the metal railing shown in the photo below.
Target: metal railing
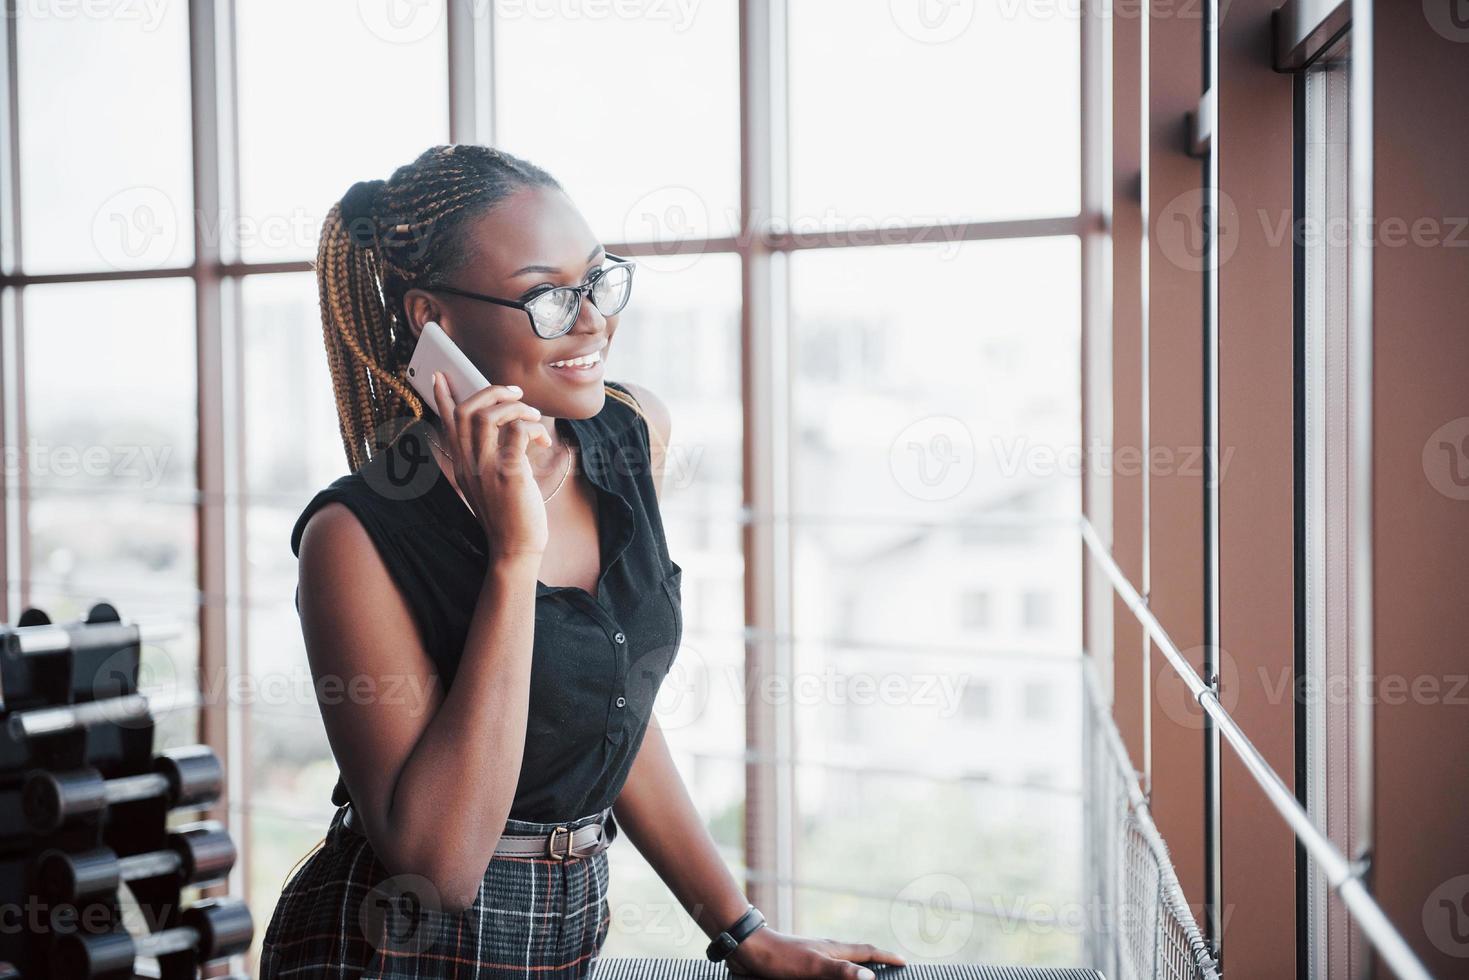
{"x": 1343, "y": 877}
{"x": 1143, "y": 929}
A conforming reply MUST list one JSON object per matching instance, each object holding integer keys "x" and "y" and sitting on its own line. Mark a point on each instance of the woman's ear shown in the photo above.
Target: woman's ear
{"x": 420, "y": 308}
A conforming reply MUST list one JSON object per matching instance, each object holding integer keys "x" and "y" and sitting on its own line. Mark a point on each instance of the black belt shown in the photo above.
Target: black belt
{"x": 561, "y": 843}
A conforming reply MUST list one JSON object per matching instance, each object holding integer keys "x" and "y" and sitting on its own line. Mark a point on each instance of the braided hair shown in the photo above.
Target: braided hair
{"x": 383, "y": 238}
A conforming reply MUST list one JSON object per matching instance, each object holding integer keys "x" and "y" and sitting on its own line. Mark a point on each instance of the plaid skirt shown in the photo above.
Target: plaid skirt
{"x": 343, "y": 916}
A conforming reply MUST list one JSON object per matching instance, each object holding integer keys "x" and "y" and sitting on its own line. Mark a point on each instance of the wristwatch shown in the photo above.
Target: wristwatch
{"x": 726, "y": 942}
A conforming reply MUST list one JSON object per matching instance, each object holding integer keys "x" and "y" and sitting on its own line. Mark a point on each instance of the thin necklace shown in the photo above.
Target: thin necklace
{"x": 435, "y": 443}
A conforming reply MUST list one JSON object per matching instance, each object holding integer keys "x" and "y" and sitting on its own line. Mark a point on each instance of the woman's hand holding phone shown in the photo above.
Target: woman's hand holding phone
{"x": 489, "y": 433}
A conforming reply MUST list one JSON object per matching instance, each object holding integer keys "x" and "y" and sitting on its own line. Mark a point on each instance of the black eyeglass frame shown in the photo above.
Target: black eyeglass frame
{"x": 582, "y": 291}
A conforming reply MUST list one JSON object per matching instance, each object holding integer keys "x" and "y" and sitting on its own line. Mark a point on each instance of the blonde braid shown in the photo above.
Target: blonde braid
{"x": 352, "y": 317}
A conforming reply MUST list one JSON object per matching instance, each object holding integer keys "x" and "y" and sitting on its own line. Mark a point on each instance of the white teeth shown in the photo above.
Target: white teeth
{"x": 584, "y": 361}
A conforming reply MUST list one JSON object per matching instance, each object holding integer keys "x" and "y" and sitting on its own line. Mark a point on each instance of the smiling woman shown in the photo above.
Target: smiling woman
{"x": 507, "y": 716}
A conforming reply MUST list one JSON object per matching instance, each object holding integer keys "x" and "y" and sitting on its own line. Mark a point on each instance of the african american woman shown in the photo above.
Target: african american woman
{"x": 489, "y": 605}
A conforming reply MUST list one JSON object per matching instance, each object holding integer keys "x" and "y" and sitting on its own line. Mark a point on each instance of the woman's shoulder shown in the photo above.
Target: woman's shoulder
{"x": 347, "y": 489}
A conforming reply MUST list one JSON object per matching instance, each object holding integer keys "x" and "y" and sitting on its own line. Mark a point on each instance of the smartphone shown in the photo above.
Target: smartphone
{"x": 436, "y": 352}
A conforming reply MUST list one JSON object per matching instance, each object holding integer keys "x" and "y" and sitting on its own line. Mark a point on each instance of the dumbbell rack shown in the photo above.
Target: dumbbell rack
{"x": 84, "y": 807}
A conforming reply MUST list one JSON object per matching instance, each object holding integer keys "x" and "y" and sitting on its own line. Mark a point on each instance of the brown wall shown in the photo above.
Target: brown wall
{"x": 1175, "y": 385}
{"x": 1257, "y": 526}
{"x": 1421, "y": 534}
{"x": 1126, "y": 374}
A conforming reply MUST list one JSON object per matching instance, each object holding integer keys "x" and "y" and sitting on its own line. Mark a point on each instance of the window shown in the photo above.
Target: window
{"x": 328, "y": 95}
{"x": 1035, "y": 612}
{"x": 974, "y": 610}
{"x": 646, "y": 158}
{"x": 1324, "y": 394}
{"x": 87, "y": 85}
{"x": 888, "y": 466}
{"x": 978, "y": 701}
{"x": 911, "y": 478}
{"x": 859, "y": 118}
{"x": 1037, "y": 700}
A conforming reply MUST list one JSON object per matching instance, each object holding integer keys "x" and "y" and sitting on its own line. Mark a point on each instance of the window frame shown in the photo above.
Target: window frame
{"x": 221, "y": 496}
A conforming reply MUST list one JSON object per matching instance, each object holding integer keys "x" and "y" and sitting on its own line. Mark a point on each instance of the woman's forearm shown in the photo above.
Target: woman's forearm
{"x": 453, "y": 794}
{"x": 657, "y": 815}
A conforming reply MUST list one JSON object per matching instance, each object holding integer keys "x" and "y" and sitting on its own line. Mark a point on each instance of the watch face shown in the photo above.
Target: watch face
{"x": 721, "y": 947}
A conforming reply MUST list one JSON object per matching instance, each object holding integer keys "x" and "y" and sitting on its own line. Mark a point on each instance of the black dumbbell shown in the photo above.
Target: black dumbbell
{"x": 196, "y": 853}
{"x": 182, "y": 777}
{"x": 125, "y": 709}
{"x": 213, "y": 929}
{"x": 128, "y": 708}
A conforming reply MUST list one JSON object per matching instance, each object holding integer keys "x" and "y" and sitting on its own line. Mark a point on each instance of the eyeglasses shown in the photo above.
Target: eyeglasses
{"x": 553, "y": 311}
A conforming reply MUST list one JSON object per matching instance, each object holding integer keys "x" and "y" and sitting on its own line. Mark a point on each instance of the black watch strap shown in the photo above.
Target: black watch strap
{"x": 728, "y": 940}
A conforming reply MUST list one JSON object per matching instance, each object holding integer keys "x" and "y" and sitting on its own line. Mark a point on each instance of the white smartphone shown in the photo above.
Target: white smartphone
{"x": 436, "y": 352}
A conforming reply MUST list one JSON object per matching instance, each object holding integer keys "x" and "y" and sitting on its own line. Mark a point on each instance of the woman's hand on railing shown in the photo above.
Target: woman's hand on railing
{"x": 768, "y": 953}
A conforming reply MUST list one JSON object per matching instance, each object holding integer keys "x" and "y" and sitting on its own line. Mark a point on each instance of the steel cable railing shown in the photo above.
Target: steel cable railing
{"x": 1144, "y": 929}
{"x": 1340, "y": 874}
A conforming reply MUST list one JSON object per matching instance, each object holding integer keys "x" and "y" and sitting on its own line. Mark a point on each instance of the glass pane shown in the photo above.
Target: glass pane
{"x": 859, "y": 585}
{"x": 283, "y": 705}
{"x": 647, "y": 920}
{"x": 366, "y": 91}
{"x": 701, "y": 710}
{"x": 634, "y": 108}
{"x": 119, "y": 549}
{"x": 291, "y": 768}
{"x": 927, "y": 921}
{"x": 915, "y": 112}
{"x": 111, "y": 395}
{"x": 984, "y": 875}
{"x": 277, "y": 840}
{"x": 292, "y": 445}
{"x": 680, "y": 337}
{"x": 938, "y": 594}
{"x": 292, "y": 771}
{"x": 936, "y": 383}
{"x": 104, "y": 124}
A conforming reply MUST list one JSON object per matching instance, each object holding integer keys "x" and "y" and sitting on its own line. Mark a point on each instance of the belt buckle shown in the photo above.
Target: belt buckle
{"x": 551, "y": 844}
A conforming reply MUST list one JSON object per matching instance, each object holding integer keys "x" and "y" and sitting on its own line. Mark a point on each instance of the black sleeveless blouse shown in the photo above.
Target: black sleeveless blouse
{"x": 598, "y": 660}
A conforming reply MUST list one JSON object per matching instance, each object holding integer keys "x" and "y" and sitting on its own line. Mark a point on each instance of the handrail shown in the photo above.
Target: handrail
{"x": 1340, "y": 874}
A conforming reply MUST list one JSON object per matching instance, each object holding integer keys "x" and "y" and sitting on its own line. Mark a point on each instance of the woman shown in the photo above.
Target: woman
{"x": 494, "y": 733}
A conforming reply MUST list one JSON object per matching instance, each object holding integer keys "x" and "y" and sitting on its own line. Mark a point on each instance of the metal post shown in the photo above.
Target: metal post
{"x": 1213, "y": 829}
{"x": 765, "y": 395}
{"x": 1360, "y": 462}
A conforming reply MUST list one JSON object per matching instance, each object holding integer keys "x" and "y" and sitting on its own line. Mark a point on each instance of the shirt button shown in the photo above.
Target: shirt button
{"x": 618, "y": 636}
{"x": 621, "y": 701}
